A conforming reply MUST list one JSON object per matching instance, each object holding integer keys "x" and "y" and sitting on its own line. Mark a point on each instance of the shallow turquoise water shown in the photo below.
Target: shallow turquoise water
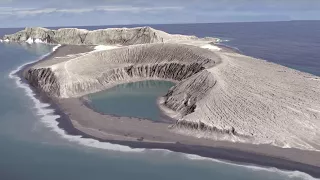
{"x": 136, "y": 99}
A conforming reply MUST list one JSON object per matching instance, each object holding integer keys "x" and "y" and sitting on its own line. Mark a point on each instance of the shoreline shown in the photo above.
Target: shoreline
{"x": 221, "y": 153}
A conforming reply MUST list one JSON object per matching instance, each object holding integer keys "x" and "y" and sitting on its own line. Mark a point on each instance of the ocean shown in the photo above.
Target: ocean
{"x": 33, "y": 147}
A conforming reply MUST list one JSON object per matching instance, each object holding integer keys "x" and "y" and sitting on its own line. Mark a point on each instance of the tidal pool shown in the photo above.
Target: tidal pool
{"x": 136, "y": 99}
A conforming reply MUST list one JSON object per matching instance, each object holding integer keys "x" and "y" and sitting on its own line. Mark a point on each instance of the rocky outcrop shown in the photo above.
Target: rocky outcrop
{"x": 111, "y": 36}
{"x": 183, "y": 97}
{"x": 43, "y": 79}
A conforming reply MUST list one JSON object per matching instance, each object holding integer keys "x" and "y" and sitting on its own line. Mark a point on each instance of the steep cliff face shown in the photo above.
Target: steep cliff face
{"x": 46, "y": 35}
{"x": 43, "y": 79}
{"x": 98, "y": 70}
{"x": 119, "y": 36}
{"x": 183, "y": 97}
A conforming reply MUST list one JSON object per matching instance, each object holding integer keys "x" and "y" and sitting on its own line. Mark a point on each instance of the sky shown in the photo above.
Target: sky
{"x": 22, "y": 13}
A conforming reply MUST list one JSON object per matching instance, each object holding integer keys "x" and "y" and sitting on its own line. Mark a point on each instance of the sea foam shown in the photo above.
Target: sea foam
{"x": 211, "y": 47}
{"x": 31, "y": 41}
{"x": 48, "y": 117}
{"x": 290, "y": 174}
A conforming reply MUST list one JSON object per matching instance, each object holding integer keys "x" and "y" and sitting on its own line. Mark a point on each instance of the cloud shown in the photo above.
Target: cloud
{"x": 82, "y": 12}
{"x": 34, "y": 11}
{"x": 193, "y": 6}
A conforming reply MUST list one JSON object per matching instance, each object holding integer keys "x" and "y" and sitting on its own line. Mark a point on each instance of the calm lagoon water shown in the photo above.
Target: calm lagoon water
{"x": 136, "y": 99}
{"x": 33, "y": 148}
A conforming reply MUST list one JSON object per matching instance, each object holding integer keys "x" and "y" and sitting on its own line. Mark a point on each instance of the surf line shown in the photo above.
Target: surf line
{"x": 48, "y": 117}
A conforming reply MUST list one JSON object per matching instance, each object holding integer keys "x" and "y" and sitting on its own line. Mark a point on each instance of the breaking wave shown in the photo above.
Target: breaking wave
{"x": 290, "y": 174}
{"x": 49, "y": 118}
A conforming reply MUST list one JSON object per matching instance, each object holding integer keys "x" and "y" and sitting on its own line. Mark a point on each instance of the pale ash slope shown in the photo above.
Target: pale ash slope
{"x": 255, "y": 101}
{"x": 219, "y": 95}
{"x": 110, "y": 36}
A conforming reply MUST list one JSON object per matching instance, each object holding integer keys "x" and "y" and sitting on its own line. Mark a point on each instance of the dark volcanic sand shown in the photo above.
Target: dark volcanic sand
{"x": 78, "y": 119}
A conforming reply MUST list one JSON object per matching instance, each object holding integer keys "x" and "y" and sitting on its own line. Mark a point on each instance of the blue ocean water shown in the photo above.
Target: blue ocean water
{"x": 32, "y": 147}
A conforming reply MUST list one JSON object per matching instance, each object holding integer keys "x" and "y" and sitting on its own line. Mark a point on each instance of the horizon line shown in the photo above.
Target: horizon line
{"x": 143, "y": 24}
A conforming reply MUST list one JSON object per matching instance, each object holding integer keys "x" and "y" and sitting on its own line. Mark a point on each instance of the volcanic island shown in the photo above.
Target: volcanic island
{"x": 224, "y": 104}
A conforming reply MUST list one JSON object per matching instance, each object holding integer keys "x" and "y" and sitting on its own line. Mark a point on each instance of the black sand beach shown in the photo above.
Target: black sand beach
{"x": 78, "y": 119}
